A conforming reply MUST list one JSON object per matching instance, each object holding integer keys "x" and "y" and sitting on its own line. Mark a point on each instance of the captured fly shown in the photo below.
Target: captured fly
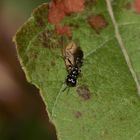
{"x": 73, "y": 56}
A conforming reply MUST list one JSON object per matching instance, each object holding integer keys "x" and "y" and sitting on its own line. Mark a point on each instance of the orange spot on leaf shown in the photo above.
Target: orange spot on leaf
{"x": 58, "y": 9}
{"x": 97, "y": 22}
{"x": 73, "y": 6}
{"x": 56, "y": 12}
{"x": 137, "y": 5}
{"x": 65, "y": 30}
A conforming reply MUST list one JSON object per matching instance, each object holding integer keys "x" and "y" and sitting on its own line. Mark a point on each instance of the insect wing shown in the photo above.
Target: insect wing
{"x": 78, "y": 57}
{"x": 68, "y": 53}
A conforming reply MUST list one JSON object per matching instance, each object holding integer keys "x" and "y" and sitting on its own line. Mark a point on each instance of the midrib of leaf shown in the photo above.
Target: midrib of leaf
{"x": 121, "y": 44}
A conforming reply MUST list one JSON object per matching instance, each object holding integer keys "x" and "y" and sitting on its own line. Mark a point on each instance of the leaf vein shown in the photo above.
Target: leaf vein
{"x": 99, "y": 47}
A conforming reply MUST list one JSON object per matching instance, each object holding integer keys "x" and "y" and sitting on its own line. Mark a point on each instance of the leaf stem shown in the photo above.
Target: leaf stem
{"x": 124, "y": 51}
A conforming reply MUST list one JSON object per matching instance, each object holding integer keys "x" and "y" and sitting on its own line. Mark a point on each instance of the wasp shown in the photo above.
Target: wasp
{"x": 73, "y": 57}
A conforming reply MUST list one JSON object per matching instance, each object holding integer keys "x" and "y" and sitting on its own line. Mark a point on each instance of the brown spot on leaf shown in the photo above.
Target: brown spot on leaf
{"x": 40, "y": 14}
{"x": 53, "y": 63}
{"x": 90, "y": 3}
{"x": 128, "y": 6}
{"x": 84, "y": 92}
{"x": 78, "y": 114}
{"x": 97, "y": 22}
{"x": 49, "y": 39}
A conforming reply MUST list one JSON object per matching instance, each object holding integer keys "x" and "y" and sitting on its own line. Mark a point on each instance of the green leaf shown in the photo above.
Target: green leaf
{"x": 104, "y": 105}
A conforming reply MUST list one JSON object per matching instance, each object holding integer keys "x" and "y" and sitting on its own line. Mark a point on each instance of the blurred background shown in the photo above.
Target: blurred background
{"x": 22, "y": 112}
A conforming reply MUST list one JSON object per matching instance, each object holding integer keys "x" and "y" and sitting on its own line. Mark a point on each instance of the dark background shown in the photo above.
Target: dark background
{"x": 22, "y": 112}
